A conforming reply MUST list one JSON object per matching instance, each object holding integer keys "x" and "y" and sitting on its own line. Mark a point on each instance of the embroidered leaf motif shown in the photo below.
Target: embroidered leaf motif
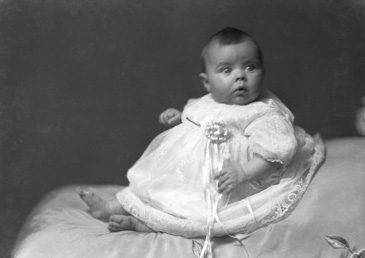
{"x": 337, "y": 242}
{"x": 359, "y": 254}
{"x": 197, "y": 248}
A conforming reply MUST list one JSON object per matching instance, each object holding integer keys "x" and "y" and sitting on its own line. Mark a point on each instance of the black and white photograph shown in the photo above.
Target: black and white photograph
{"x": 182, "y": 128}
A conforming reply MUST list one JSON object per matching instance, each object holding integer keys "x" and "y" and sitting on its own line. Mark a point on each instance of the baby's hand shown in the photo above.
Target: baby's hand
{"x": 170, "y": 116}
{"x": 229, "y": 177}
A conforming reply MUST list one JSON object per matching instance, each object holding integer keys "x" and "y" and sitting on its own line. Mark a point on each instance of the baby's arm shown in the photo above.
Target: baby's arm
{"x": 171, "y": 117}
{"x": 233, "y": 174}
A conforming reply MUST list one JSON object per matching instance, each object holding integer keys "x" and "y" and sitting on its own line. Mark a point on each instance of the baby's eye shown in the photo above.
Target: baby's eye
{"x": 251, "y": 67}
{"x": 225, "y": 70}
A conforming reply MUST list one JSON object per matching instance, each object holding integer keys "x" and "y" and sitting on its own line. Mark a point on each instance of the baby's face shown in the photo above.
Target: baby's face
{"x": 234, "y": 74}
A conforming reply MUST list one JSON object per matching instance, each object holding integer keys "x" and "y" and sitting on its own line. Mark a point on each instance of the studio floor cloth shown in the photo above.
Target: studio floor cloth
{"x": 334, "y": 204}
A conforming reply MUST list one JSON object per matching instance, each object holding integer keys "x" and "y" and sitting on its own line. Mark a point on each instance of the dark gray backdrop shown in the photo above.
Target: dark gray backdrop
{"x": 83, "y": 82}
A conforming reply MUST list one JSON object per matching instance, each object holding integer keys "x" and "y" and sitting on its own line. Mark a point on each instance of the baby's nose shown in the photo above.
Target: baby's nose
{"x": 241, "y": 75}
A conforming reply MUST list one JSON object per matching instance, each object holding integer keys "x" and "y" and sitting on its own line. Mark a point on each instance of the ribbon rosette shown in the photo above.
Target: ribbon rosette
{"x": 217, "y": 132}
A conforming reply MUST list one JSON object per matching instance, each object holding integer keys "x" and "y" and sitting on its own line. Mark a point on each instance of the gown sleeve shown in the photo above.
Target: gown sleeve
{"x": 272, "y": 137}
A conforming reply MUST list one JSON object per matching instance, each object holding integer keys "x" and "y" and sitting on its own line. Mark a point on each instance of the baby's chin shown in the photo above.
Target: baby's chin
{"x": 238, "y": 100}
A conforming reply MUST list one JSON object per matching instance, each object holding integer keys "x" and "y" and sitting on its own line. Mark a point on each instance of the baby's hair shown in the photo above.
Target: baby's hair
{"x": 229, "y": 36}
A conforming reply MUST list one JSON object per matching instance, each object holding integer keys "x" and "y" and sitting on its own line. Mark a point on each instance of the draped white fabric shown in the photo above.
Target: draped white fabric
{"x": 334, "y": 204}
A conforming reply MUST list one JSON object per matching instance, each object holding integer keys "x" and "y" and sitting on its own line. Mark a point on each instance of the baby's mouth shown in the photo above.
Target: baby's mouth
{"x": 240, "y": 89}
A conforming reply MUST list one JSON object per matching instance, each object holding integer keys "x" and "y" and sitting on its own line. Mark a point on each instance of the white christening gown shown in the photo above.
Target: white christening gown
{"x": 166, "y": 190}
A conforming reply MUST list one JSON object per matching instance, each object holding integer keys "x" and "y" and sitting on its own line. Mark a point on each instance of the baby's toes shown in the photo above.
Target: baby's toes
{"x": 113, "y": 226}
{"x": 119, "y": 222}
{"x": 84, "y": 194}
{"x": 89, "y": 197}
{"x": 116, "y": 218}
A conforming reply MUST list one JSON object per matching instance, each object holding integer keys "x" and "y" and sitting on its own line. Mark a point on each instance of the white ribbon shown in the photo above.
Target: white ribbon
{"x": 217, "y": 134}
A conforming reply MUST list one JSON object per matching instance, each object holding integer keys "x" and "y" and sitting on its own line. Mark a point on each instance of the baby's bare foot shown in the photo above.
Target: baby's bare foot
{"x": 127, "y": 222}
{"x": 122, "y": 222}
{"x": 97, "y": 206}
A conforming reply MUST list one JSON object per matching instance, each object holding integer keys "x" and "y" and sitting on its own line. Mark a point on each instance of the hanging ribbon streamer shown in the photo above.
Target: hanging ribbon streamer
{"x": 215, "y": 152}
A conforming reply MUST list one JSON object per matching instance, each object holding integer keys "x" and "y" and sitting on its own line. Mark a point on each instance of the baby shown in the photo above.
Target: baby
{"x": 268, "y": 162}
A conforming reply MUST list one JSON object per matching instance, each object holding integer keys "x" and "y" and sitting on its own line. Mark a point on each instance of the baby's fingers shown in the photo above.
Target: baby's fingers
{"x": 169, "y": 116}
{"x": 173, "y": 119}
{"x": 164, "y": 117}
{"x": 228, "y": 189}
{"x": 220, "y": 174}
{"x": 161, "y": 118}
{"x": 223, "y": 179}
{"x": 225, "y": 185}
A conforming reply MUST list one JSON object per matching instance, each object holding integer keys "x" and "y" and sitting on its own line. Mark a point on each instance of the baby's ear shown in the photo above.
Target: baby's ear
{"x": 204, "y": 79}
